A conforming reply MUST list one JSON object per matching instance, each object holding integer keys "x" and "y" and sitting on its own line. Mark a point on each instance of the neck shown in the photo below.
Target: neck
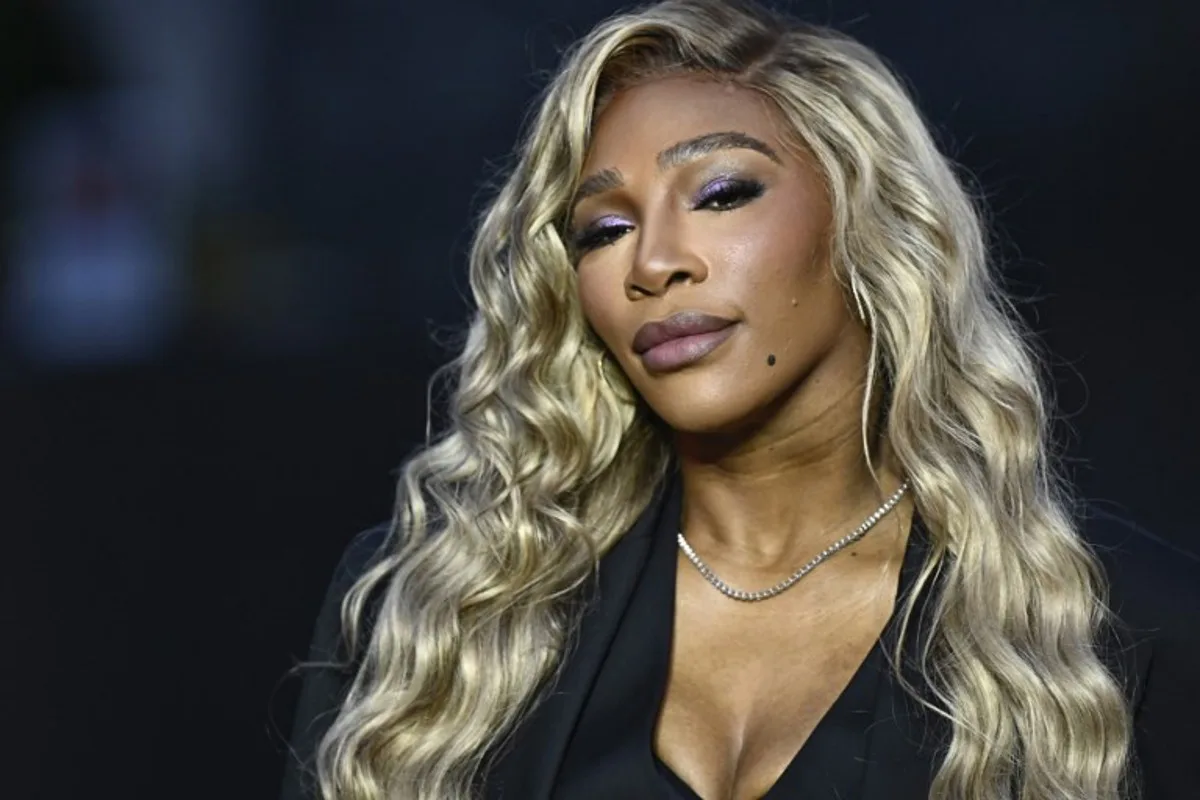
{"x": 776, "y": 498}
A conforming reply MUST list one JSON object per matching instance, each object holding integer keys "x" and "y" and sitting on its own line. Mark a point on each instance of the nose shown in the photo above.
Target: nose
{"x": 663, "y": 256}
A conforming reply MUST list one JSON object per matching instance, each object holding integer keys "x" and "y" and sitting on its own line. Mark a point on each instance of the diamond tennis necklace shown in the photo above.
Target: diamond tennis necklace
{"x": 751, "y": 597}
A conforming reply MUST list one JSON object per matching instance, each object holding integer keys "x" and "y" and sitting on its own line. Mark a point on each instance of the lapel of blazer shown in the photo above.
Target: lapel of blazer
{"x": 904, "y": 741}
{"x": 528, "y": 766}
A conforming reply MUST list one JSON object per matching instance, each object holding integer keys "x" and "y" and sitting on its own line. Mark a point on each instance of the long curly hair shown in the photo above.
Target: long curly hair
{"x": 547, "y": 460}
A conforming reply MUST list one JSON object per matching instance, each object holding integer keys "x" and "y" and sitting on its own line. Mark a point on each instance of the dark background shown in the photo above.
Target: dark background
{"x": 233, "y": 231}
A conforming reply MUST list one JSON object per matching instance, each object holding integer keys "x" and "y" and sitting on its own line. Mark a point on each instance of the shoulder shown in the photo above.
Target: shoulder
{"x": 362, "y": 553}
{"x": 1154, "y": 584}
{"x": 327, "y": 674}
{"x": 1154, "y": 591}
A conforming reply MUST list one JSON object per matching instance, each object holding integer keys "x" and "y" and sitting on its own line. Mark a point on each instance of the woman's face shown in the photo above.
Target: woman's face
{"x": 693, "y": 213}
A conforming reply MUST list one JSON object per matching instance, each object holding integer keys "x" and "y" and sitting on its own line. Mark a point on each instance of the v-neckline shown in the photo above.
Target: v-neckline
{"x": 832, "y": 760}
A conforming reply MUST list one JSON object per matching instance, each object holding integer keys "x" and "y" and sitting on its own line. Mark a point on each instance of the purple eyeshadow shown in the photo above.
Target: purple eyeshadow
{"x": 599, "y": 224}
{"x": 715, "y": 188}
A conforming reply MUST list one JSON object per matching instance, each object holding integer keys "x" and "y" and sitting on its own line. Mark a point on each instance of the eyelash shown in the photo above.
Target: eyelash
{"x": 727, "y": 193}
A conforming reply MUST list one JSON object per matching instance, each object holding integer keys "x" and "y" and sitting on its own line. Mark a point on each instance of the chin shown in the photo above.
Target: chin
{"x": 718, "y": 413}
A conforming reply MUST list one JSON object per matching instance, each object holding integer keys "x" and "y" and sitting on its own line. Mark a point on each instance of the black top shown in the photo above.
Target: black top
{"x": 590, "y": 736}
{"x": 611, "y": 754}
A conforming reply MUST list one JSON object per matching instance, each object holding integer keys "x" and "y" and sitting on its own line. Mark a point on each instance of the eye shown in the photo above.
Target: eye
{"x": 601, "y": 233}
{"x": 726, "y": 194}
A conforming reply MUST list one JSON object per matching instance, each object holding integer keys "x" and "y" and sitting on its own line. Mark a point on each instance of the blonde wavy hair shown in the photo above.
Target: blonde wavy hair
{"x": 546, "y": 461}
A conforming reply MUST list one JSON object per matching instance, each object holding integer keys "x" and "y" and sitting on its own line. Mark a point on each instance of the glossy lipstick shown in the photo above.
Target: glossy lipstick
{"x": 680, "y": 339}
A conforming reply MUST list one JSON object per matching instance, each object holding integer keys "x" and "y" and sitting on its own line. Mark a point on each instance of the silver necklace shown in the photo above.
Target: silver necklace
{"x": 750, "y": 597}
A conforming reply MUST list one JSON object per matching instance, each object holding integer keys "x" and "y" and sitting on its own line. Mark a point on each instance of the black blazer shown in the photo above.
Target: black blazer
{"x": 1155, "y": 589}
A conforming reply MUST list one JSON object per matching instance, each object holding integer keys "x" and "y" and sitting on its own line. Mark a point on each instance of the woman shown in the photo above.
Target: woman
{"x": 747, "y": 490}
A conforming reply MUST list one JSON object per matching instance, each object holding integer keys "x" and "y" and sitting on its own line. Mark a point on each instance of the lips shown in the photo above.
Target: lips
{"x": 677, "y": 326}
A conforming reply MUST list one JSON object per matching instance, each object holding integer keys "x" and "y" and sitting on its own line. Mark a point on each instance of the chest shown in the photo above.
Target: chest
{"x": 749, "y": 683}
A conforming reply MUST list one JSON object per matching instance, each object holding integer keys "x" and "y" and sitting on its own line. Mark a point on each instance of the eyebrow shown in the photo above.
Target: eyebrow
{"x": 675, "y": 155}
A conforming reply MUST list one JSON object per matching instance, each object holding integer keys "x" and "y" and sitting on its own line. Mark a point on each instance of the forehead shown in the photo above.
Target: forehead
{"x": 640, "y": 121}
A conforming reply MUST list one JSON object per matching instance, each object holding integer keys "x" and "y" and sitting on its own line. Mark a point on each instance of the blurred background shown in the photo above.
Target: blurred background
{"x": 232, "y": 234}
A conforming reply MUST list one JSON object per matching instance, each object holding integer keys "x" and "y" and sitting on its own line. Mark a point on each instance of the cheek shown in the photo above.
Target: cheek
{"x": 793, "y": 247}
{"x": 599, "y": 302}
{"x": 785, "y": 283}
{"x": 776, "y": 246}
